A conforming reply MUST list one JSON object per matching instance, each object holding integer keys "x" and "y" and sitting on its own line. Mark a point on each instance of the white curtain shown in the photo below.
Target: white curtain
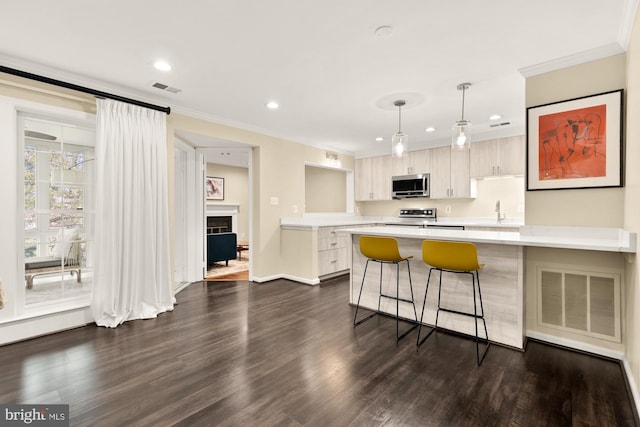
{"x": 132, "y": 276}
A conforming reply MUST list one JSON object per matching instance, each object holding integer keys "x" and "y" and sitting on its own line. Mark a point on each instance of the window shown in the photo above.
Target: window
{"x": 58, "y": 188}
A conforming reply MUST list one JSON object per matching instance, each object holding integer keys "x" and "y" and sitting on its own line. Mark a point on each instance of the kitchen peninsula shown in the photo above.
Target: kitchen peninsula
{"x": 502, "y": 278}
{"x": 315, "y": 249}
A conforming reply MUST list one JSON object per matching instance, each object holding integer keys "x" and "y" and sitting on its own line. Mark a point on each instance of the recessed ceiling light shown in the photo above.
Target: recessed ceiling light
{"x": 379, "y": 139}
{"x": 162, "y": 66}
{"x": 495, "y": 117}
{"x": 430, "y": 129}
{"x": 272, "y": 105}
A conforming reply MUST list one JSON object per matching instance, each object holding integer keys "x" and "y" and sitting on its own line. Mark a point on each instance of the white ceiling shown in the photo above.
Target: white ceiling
{"x": 335, "y": 80}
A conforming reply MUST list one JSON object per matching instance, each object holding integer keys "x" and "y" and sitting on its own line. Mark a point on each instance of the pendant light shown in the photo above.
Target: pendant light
{"x": 400, "y": 140}
{"x": 461, "y": 135}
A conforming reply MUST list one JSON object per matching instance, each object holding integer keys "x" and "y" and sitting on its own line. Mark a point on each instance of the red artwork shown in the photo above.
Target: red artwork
{"x": 572, "y": 144}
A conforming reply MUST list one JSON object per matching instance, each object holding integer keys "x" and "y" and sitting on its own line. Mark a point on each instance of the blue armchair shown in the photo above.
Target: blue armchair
{"x": 221, "y": 247}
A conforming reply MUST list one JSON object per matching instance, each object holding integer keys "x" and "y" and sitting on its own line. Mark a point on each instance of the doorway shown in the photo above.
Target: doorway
{"x": 228, "y": 164}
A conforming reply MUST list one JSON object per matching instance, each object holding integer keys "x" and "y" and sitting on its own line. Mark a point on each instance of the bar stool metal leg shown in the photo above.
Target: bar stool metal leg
{"x": 458, "y": 258}
{"x": 384, "y": 250}
{"x": 475, "y": 278}
{"x": 360, "y": 295}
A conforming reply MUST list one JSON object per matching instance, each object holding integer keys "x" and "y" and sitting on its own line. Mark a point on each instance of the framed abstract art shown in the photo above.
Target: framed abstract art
{"x": 576, "y": 143}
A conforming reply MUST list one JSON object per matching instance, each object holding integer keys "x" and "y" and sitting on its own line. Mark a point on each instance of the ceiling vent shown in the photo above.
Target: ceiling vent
{"x": 495, "y": 125}
{"x": 165, "y": 87}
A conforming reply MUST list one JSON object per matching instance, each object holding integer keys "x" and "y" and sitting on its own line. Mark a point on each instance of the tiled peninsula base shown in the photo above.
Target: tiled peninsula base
{"x": 501, "y": 282}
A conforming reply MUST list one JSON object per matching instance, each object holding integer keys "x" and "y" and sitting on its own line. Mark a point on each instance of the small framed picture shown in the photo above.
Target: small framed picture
{"x": 214, "y": 188}
{"x": 575, "y": 143}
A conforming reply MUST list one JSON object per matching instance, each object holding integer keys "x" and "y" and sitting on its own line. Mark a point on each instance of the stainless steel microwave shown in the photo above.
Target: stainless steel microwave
{"x": 405, "y": 186}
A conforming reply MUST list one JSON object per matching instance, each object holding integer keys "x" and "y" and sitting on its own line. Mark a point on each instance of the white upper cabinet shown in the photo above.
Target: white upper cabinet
{"x": 373, "y": 178}
{"x": 498, "y": 157}
{"x": 449, "y": 174}
{"x": 415, "y": 162}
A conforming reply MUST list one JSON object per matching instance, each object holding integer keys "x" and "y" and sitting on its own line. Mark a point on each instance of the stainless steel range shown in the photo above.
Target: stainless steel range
{"x": 415, "y": 217}
{"x": 421, "y": 218}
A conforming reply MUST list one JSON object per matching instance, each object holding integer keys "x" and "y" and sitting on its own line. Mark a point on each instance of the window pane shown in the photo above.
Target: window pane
{"x": 30, "y": 222}
{"x": 64, "y": 220}
{"x": 58, "y": 190}
{"x": 30, "y": 247}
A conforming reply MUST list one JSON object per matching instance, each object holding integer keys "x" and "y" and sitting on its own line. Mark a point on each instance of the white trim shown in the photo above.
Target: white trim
{"x": 32, "y": 327}
{"x": 571, "y": 60}
{"x": 632, "y": 384}
{"x": 577, "y": 345}
{"x": 303, "y": 280}
{"x": 626, "y": 27}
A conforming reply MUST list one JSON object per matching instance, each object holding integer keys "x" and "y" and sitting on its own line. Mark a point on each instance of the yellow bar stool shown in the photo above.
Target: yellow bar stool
{"x": 384, "y": 250}
{"x": 458, "y": 258}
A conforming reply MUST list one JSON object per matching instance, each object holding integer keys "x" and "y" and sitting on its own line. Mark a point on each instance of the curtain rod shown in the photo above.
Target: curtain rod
{"x": 83, "y": 89}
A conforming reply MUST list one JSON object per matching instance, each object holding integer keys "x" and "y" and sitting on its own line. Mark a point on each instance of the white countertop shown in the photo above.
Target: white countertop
{"x": 313, "y": 222}
{"x": 584, "y": 238}
{"x": 466, "y": 222}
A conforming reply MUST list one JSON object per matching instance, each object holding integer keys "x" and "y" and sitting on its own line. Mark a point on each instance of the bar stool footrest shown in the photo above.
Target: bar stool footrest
{"x": 375, "y": 313}
{"x": 393, "y": 297}
{"x": 477, "y": 316}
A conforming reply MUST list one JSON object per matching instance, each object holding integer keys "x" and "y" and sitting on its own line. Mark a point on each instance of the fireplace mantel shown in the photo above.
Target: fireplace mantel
{"x": 216, "y": 209}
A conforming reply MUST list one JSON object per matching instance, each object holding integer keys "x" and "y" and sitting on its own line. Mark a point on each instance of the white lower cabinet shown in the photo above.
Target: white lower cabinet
{"x": 332, "y": 251}
{"x": 333, "y": 255}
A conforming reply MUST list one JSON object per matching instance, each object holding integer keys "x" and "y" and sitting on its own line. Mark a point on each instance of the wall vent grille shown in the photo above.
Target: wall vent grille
{"x": 586, "y": 303}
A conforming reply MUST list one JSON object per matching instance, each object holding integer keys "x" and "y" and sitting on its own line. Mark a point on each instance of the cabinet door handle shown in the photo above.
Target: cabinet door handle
{"x": 334, "y": 261}
{"x": 334, "y": 243}
{"x": 493, "y": 170}
{"x": 498, "y": 169}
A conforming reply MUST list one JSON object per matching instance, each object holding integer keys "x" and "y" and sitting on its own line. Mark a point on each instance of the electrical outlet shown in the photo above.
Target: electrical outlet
{"x": 520, "y": 208}
{"x": 447, "y": 209}
{"x": 275, "y": 201}
{"x": 294, "y": 209}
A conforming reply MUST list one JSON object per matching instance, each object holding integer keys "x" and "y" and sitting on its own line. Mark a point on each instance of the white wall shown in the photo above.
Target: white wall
{"x": 325, "y": 190}
{"x": 599, "y": 207}
{"x": 632, "y": 207}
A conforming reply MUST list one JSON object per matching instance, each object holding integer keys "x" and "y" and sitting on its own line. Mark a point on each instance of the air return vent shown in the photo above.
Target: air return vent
{"x": 582, "y": 302}
{"x": 495, "y": 125}
{"x": 165, "y": 87}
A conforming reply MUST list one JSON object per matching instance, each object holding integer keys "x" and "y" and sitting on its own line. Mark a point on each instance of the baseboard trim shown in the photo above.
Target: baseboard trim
{"x": 302, "y": 280}
{"x": 576, "y": 345}
{"x": 633, "y": 388}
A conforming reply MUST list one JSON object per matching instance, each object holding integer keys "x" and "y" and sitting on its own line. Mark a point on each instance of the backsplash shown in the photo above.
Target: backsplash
{"x": 510, "y": 192}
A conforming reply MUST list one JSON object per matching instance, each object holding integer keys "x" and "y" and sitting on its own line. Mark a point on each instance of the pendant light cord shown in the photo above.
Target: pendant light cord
{"x": 463, "y": 90}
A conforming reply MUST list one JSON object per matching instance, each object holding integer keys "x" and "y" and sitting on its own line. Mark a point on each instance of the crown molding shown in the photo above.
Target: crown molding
{"x": 571, "y": 60}
{"x": 626, "y": 26}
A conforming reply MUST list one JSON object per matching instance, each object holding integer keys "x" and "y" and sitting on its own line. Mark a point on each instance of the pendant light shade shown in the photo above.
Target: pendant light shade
{"x": 400, "y": 140}
{"x": 461, "y": 134}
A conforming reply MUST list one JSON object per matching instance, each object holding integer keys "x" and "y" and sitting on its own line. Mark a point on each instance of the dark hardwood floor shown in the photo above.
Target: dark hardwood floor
{"x": 281, "y": 353}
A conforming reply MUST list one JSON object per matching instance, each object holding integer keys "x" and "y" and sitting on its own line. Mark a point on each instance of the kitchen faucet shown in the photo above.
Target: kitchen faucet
{"x": 500, "y": 216}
